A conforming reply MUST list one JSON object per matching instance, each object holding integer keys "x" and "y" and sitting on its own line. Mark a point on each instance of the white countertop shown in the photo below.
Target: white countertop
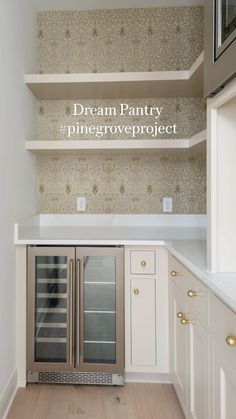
{"x": 184, "y": 236}
{"x": 108, "y": 235}
{"x": 192, "y": 253}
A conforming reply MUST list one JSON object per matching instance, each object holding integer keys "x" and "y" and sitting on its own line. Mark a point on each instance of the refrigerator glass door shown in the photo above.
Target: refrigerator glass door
{"x": 50, "y": 306}
{"x": 101, "y": 308}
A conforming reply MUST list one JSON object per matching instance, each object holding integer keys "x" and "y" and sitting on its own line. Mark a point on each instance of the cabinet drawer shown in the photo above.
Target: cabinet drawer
{"x": 178, "y": 274}
{"x": 197, "y": 294}
{"x": 142, "y": 262}
{"x": 223, "y": 325}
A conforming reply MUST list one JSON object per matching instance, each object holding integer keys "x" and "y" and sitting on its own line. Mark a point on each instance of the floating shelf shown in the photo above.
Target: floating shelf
{"x": 78, "y": 146}
{"x": 154, "y": 84}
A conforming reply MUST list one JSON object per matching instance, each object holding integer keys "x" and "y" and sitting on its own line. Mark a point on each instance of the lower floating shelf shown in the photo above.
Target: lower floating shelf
{"x": 86, "y": 146}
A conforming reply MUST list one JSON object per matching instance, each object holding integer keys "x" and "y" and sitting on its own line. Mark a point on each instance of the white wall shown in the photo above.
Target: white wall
{"x": 17, "y": 178}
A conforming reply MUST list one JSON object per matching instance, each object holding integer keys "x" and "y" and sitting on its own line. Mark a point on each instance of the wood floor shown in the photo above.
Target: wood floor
{"x": 133, "y": 401}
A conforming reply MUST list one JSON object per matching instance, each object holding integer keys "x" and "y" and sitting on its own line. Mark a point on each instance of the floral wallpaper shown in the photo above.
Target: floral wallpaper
{"x": 189, "y": 114}
{"x": 122, "y": 183}
{"x": 121, "y": 40}
{"x": 149, "y": 39}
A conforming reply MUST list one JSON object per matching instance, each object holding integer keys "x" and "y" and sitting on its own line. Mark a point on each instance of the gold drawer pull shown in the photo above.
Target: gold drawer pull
{"x": 231, "y": 340}
{"x": 136, "y": 291}
{"x": 192, "y": 293}
{"x": 184, "y": 321}
{"x": 174, "y": 273}
{"x": 180, "y": 315}
{"x": 143, "y": 263}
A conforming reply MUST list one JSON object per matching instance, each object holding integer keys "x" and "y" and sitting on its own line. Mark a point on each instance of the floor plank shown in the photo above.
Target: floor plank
{"x": 133, "y": 401}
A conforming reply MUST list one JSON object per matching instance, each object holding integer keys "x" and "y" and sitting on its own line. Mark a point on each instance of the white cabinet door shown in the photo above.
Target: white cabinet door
{"x": 143, "y": 321}
{"x": 224, "y": 383}
{"x": 179, "y": 346}
{"x": 199, "y": 405}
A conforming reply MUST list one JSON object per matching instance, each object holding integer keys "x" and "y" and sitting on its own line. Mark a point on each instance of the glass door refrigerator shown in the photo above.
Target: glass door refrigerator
{"x": 75, "y": 327}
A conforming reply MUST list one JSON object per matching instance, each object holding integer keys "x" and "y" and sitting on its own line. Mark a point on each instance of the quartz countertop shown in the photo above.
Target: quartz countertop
{"x": 192, "y": 253}
{"x": 184, "y": 237}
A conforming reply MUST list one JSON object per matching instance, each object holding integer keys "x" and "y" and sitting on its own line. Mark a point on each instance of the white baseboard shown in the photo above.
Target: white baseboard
{"x": 147, "y": 377}
{"x": 8, "y": 395}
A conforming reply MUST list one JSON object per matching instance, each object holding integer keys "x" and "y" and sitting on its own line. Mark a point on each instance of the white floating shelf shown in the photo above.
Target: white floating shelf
{"x": 154, "y": 84}
{"x": 78, "y": 146}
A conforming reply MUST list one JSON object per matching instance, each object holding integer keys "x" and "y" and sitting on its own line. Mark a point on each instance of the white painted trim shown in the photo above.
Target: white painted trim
{"x": 226, "y": 94}
{"x": 8, "y": 395}
{"x": 21, "y": 291}
{"x": 214, "y": 106}
{"x": 212, "y": 195}
{"x": 148, "y": 377}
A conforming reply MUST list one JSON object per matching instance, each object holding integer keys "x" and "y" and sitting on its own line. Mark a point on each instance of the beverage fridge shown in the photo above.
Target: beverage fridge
{"x": 75, "y": 315}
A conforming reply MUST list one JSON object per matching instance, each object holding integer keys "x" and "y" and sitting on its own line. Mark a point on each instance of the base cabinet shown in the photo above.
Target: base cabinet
{"x": 179, "y": 346}
{"x": 223, "y": 360}
{"x": 143, "y": 321}
{"x": 190, "y": 345}
{"x": 146, "y": 313}
{"x": 199, "y": 364}
{"x": 224, "y": 384}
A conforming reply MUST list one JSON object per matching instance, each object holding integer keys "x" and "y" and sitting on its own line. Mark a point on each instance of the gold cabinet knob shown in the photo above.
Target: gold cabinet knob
{"x": 174, "y": 273}
{"x": 184, "y": 321}
{"x": 192, "y": 293}
{"x": 136, "y": 291}
{"x": 231, "y": 340}
{"x": 143, "y": 263}
{"x": 180, "y": 315}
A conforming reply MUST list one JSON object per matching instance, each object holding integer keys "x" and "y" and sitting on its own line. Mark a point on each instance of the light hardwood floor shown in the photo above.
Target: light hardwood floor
{"x": 133, "y": 401}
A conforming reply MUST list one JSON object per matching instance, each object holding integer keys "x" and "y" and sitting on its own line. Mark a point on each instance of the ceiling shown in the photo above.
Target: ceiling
{"x": 42, "y": 5}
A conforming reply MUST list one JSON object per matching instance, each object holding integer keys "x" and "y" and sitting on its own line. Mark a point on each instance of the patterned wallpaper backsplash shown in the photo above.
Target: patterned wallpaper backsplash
{"x": 119, "y": 40}
{"x": 189, "y": 114}
{"x": 122, "y": 183}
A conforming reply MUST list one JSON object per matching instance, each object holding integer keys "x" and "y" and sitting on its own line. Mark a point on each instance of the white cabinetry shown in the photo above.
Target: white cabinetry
{"x": 178, "y": 346}
{"x": 146, "y": 303}
{"x": 143, "y": 321}
{"x": 190, "y": 341}
{"x": 223, "y": 361}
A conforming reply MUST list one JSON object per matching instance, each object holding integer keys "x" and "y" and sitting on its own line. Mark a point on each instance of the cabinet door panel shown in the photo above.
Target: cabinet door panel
{"x": 143, "y": 321}
{"x": 224, "y": 383}
{"x": 100, "y": 309}
{"x": 199, "y": 370}
{"x": 180, "y": 346}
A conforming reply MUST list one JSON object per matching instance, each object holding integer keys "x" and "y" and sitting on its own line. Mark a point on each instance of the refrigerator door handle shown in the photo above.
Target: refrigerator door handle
{"x": 71, "y": 313}
{"x": 78, "y": 314}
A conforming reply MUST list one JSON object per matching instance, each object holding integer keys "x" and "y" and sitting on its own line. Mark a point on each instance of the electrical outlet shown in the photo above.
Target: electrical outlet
{"x": 167, "y": 204}
{"x": 81, "y": 203}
